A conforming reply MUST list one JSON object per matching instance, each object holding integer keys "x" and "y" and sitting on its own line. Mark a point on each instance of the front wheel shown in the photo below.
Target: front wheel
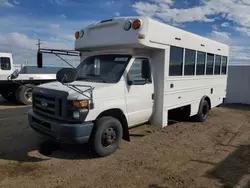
{"x": 106, "y": 136}
{"x": 24, "y": 94}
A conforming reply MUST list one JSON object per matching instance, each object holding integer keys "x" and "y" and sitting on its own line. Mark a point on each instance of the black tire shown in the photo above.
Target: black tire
{"x": 24, "y": 94}
{"x": 106, "y": 136}
{"x": 203, "y": 112}
{"x": 47, "y": 147}
{"x": 10, "y": 96}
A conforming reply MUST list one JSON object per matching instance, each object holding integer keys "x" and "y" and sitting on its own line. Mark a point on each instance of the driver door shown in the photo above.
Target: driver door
{"x": 139, "y": 93}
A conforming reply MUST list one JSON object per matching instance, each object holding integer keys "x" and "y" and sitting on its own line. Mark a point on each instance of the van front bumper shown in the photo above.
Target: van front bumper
{"x": 59, "y": 131}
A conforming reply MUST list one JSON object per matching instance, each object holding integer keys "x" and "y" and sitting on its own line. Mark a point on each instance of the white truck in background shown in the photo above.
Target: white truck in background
{"x": 17, "y": 85}
{"x": 133, "y": 70}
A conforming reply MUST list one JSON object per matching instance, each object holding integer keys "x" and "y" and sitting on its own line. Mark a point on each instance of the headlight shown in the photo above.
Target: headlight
{"x": 80, "y": 104}
{"x": 127, "y": 25}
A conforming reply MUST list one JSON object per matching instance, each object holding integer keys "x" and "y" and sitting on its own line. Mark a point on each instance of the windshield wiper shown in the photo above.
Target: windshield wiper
{"x": 98, "y": 76}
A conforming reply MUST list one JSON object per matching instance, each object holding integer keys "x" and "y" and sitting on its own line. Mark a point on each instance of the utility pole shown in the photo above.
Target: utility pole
{"x": 39, "y": 44}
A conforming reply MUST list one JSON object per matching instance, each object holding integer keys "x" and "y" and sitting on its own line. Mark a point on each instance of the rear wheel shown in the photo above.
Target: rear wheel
{"x": 203, "y": 112}
{"x": 9, "y": 96}
{"x": 24, "y": 94}
{"x": 106, "y": 136}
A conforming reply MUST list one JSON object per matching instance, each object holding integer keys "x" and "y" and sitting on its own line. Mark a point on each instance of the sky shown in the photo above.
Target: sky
{"x": 22, "y": 22}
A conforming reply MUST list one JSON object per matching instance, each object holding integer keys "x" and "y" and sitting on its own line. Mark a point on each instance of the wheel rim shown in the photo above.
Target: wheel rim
{"x": 109, "y": 137}
{"x": 28, "y": 95}
{"x": 204, "y": 111}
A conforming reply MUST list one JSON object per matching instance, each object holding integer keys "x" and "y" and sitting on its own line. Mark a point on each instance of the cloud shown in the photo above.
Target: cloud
{"x": 108, "y": 3}
{"x": 24, "y": 47}
{"x": 244, "y": 30}
{"x": 225, "y": 24}
{"x": 214, "y": 27}
{"x": 207, "y": 11}
{"x": 6, "y": 3}
{"x": 162, "y": 9}
{"x": 233, "y": 12}
{"x": 18, "y": 40}
{"x": 54, "y": 26}
{"x": 145, "y": 8}
{"x": 16, "y": 2}
{"x": 240, "y": 53}
{"x": 222, "y": 37}
{"x": 117, "y": 13}
{"x": 69, "y": 37}
{"x": 58, "y": 2}
{"x": 18, "y": 35}
{"x": 221, "y": 34}
{"x": 63, "y": 16}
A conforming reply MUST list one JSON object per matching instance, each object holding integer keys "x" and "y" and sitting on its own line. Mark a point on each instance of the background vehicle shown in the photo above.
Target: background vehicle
{"x": 19, "y": 89}
{"x": 133, "y": 70}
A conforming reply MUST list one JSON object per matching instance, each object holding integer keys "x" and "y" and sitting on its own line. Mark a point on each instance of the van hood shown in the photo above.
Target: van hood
{"x": 101, "y": 90}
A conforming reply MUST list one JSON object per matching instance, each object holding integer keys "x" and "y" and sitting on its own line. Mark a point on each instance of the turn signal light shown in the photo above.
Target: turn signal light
{"x": 136, "y": 24}
{"x": 80, "y": 104}
{"x": 141, "y": 36}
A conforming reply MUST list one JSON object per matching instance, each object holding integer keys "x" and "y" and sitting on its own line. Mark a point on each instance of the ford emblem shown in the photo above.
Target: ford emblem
{"x": 44, "y": 104}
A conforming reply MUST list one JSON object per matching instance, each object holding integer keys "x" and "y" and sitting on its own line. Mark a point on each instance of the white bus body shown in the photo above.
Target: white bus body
{"x": 186, "y": 69}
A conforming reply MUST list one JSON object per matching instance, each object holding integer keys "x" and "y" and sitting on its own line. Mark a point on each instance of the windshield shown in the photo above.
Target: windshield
{"x": 103, "y": 68}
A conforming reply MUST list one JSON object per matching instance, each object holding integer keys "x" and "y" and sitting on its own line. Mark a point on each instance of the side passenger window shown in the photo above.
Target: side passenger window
{"x": 176, "y": 61}
{"x": 189, "y": 62}
{"x": 224, "y": 65}
{"x": 201, "y": 62}
{"x": 135, "y": 73}
{"x": 210, "y": 64}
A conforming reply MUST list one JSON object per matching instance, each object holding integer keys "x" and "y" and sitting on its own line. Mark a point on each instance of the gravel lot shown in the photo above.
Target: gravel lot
{"x": 185, "y": 154}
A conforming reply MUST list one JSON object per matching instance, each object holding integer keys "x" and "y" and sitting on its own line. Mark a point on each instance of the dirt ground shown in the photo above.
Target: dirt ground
{"x": 185, "y": 154}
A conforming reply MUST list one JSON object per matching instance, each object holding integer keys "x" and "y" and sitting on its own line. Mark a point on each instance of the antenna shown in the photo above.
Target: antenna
{"x": 38, "y": 44}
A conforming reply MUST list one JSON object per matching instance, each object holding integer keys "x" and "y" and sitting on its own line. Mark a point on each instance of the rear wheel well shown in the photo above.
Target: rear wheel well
{"x": 118, "y": 114}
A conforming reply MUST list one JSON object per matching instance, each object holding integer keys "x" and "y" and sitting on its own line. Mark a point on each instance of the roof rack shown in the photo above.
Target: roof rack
{"x": 60, "y": 52}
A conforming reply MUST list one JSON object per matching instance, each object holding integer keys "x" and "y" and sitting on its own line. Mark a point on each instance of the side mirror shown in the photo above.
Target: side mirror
{"x": 66, "y": 75}
{"x": 130, "y": 82}
{"x": 39, "y": 60}
{"x": 145, "y": 70}
{"x": 15, "y": 74}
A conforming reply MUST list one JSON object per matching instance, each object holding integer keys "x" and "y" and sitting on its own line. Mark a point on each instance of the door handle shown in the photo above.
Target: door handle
{"x": 152, "y": 97}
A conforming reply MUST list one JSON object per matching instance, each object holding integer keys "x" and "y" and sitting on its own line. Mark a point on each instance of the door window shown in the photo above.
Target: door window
{"x": 135, "y": 72}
